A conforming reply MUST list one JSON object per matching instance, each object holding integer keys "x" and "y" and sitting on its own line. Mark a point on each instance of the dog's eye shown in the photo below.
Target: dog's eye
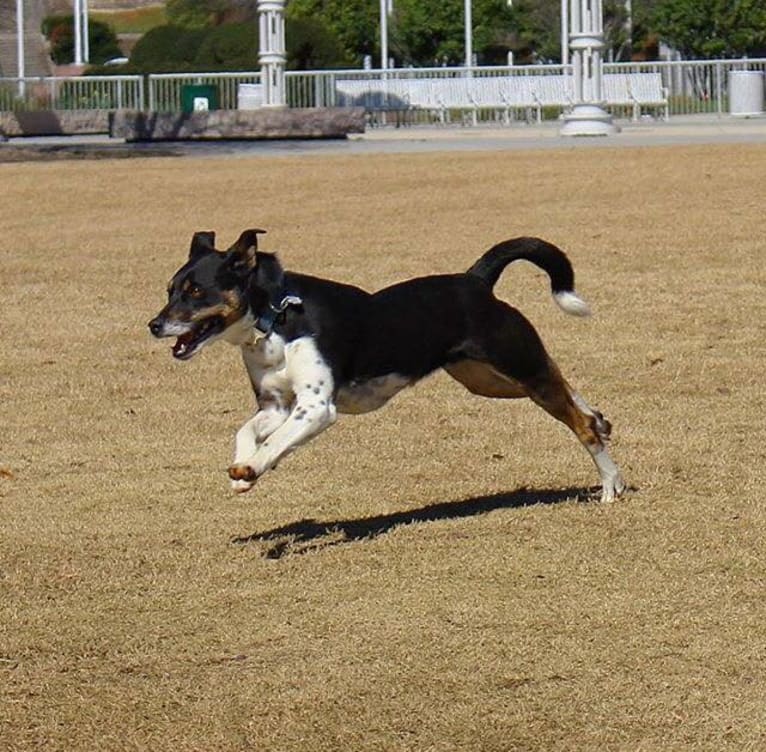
{"x": 195, "y": 292}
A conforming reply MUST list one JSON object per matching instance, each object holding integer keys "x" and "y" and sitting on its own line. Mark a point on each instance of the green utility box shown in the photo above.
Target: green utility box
{"x": 199, "y": 97}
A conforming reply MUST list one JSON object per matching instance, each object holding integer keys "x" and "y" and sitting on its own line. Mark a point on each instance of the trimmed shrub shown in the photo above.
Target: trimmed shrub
{"x": 167, "y": 49}
{"x": 59, "y": 31}
{"x": 232, "y": 47}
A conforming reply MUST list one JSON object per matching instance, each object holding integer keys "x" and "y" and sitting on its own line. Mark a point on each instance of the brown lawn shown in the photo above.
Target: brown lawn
{"x": 428, "y": 577}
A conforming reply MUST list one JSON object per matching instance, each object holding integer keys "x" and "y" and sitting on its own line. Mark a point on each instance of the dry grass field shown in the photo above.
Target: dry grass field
{"x": 435, "y": 576}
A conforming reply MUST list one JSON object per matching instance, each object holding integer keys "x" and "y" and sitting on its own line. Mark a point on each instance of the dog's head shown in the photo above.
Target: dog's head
{"x": 207, "y": 296}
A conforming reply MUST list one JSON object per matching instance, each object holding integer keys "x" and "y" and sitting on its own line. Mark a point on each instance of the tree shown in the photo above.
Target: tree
{"x": 312, "y": 46}
{"x": 536, "y": 28}
{"x": 354, "y": 22}
{"x": 232, "y": 46}
{"x": 194, "y": 14}
{"x": 712, "y": 28}
{"x": 59, "y": 30}
{"x": 167, "y": 49}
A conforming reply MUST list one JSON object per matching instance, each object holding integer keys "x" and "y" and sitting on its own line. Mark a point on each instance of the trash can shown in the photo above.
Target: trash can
{"x": 746, "y": 93}
{"x": 249, "y": 96}
{"x": 199, "y": 97}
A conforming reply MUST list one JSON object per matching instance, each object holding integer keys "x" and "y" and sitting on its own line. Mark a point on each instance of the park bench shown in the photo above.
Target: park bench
{"x": 467, "y": 95}
{"x": 505, "y": 95}
{"x": 637, "y": 91}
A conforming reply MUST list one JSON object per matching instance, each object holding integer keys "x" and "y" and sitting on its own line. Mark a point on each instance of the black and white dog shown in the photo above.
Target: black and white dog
{"x": 314, "y": 348}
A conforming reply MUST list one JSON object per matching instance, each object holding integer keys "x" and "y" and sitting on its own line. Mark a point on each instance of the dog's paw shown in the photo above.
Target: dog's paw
{"x": 612, "y": 488}
{"x": 241, "y": 486}
{"x": 243, "y": 473}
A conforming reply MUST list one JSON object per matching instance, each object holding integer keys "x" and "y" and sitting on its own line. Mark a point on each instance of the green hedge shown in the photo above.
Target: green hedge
{"x": 59, "y": 31}
{"x": 231, "y": 47}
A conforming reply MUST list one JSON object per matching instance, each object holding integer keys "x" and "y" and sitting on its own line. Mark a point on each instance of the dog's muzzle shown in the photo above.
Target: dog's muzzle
{"x": 190, "y": 336}
{"x": 156, "y": 326}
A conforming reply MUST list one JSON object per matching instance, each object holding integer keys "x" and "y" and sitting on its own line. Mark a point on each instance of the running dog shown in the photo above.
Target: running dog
{"x": 314, "y": 348}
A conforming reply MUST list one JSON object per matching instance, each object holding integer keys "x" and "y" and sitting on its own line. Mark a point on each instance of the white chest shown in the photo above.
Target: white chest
{"x": 266, "y": 365}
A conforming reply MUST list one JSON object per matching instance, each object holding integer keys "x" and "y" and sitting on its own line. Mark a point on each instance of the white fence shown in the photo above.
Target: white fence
{"x": 72, "y": 93}
{"x": 499, "y": 93}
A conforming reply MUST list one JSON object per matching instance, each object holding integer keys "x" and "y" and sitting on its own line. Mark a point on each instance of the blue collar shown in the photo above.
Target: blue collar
{"x": 268, "y": 320}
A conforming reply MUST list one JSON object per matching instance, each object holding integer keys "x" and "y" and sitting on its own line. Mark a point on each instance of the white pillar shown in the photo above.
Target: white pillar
{"x": 468, "y": 34}
{"x": 383, "y": 34}
{"x": 20, "y": 67}
{"x": 271, "y": 51}
{"x": 564, "y": 32}
{"x": 77, "y": 32}
{"x": 586, "y": 42}
{"x": 85, "y": 33}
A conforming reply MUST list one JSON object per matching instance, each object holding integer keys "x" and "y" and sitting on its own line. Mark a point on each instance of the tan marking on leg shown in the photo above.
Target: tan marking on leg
{"x": 482, "y": 379}
{"x": 563, "y": 403}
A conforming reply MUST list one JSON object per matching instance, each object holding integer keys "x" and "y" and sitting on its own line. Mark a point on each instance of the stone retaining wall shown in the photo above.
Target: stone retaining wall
{"x": 319, "y": 122}
{"x": 54, "y": 123}
{"x": 133, "y": 125}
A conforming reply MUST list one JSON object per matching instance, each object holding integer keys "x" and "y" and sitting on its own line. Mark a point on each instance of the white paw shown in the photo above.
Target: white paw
{"x": 241, "y": 486}
{"x": 612, "y": 489}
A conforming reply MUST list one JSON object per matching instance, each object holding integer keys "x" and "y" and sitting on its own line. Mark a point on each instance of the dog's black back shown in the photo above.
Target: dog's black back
{"x": 410, "y": 329}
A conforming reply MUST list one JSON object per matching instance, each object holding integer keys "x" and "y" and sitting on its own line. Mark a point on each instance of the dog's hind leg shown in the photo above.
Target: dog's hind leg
{"x": 557, "y": 397}
{"x": 505, "y": 357}
{"x": 549, "y": 390}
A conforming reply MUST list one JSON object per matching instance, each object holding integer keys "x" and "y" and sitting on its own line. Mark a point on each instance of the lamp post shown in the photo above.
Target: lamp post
{"x": 586, "y": 42}
{"x": 77, "y": 32}
{"x": 20, "y": 46}
{"x": 271, "y": 51}
{"x": 468, "y": 15}
{"x": 386, "y": 9}
{"x": 81, "y": 32}
{"x": 85, "y": 33}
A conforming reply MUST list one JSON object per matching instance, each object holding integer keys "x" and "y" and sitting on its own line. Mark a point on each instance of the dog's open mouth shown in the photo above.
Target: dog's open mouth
{"x": 189, "y": 342}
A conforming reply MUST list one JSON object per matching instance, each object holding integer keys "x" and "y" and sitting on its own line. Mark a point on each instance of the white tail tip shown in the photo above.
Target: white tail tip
{"x": 571, "y": 303}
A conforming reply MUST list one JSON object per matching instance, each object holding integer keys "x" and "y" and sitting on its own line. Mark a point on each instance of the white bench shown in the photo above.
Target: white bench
{"x": 637, "y": 91}
{"x": 529, "y": 94}
{"x": 375, "y": 95}
{"x": 442, "y": 96}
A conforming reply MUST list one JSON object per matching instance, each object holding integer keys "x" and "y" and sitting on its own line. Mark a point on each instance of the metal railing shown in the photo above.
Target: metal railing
{"x": 165, "y": 90}
{"x": 72, "y": 93}
{"x": 318, "y": 88}
{"x": 693, "y": 86}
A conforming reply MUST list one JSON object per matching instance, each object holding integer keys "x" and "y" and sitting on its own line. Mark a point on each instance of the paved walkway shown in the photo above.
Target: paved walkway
{"x": 679, "y": 130}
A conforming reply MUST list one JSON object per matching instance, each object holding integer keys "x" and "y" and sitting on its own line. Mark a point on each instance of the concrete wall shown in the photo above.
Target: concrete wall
{"x": 54, "y": 122}
{"x": 320, "y": 122}
{"x": 133, "y": 125}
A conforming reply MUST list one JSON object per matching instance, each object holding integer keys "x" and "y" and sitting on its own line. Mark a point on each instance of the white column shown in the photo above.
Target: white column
{"x": 20, "y": 67}
{"x": 586, "y": 42}
{"x": 468, "y": 34}
{"x": 271, "y": 51}
{"x": 85, "y": 33}
{"x": 383, "y": 34}
{"x": 77, "y": 32}
{"x": 564, "y": 32}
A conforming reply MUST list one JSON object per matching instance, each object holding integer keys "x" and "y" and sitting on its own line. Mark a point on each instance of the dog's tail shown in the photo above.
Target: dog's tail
{"x": 547, "y": 256}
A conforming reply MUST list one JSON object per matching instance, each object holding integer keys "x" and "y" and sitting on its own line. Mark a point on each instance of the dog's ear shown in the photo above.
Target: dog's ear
{"x": 201, "y": 243}
{"x": 269, "y": 276}
{"x": 241, "y": 255}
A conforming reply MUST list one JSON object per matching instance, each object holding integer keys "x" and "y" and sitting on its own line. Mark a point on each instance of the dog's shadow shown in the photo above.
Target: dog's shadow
{"x": 305, "y": 536}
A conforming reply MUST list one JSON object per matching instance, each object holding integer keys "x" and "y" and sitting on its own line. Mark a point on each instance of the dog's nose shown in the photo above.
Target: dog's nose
{"x": 155, "y": 327}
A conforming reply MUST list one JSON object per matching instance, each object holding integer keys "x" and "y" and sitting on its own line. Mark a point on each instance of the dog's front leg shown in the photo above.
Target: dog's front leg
{"x": 312, "y": 411}
{"x": 253, "y": 432}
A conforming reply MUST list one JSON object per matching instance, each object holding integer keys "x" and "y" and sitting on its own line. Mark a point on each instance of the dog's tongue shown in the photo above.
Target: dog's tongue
{"x": 182, "y": 345}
